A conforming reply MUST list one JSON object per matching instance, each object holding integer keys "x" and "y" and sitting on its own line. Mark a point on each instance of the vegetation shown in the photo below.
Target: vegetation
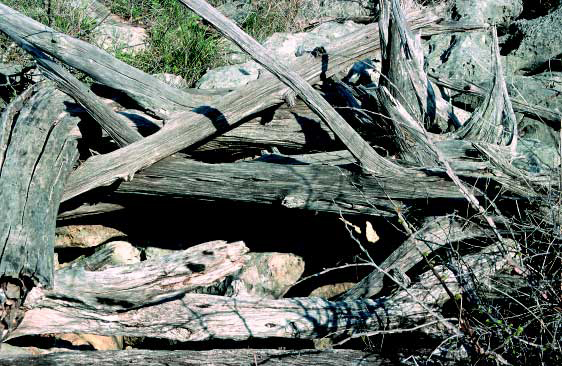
{"x": 179, "y": 41}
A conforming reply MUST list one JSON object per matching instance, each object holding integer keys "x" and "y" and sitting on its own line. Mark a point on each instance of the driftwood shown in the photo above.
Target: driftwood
{"x": 236, "y": 357}
{"x": 125, "y": 287}
{"x": 36, "y": 154}
{"x": 204, "y": 317}
{"x": 188, "y": 128}
{"x": 157, "y": 297}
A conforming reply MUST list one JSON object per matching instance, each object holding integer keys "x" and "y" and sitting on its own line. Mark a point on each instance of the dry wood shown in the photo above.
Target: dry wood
{"x": 120, "y": 288}
{"x": 312, "y": 187}
{"x": 494, "y": 120}
{"x": 202, "y": 317}
{"x": 433, "y": 236}
{"x": 145, "y": 89}
{"x": 189, "y": 128}
{"x": 521, "y": 106}
{"x": 114, "y": 124}
{"x": 36, "y": 155}
{"x": 223, "y": 357}
{"x": 360, "y": 149}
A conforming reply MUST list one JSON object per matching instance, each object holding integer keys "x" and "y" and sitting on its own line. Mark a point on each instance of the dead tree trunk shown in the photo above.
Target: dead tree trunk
{"x": 37, "y": 152}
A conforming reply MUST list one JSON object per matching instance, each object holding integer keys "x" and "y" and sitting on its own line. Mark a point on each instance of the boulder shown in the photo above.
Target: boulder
{"x": 317, "y": 9}
{"x": 285, "y": 46}
{"x": 267, "y": 275}
{"x": 467, "y": 56}
{"x": 535, "y": 42}
{"x": 84, "y": 236}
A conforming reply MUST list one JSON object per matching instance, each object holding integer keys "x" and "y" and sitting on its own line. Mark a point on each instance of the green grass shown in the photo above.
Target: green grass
{"x": 179, "y": 41}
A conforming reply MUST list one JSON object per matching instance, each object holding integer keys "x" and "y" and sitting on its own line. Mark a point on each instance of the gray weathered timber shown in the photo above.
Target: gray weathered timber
{"x": 360, "y": 149}
{"x": 145, "y": 89}
{"x": 434, "y": 235}
{"x": 493, "y": 121}
{"x": 519, "y": 105}
{"x": 124, "y": 287}
{"x": 114, "y": 124}
{"x": 36, "y": 155}
{"x": 218, "y": 357}
{"x": 291, "y": 130}
{"x": 189, "y": 128}
{"x": 195, "y": 317}
{"x": 313, "y": 187}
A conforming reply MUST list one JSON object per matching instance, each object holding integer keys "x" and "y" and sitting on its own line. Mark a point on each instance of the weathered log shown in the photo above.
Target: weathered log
{"x": 125, "y": 287}
{"x": 521, "y": 106}
{"x": 433, "y": 236}
{"x": 360, "y": 149}
{"x": 290, "y": 130}
{"x": 36, "y": 154}
{"x": 312, "y": 187}
{"x": 203, "y": 317}
{"x": 189, "y": 128}
{"x": 146, "y": 90}
{"x": 235, "y": 357}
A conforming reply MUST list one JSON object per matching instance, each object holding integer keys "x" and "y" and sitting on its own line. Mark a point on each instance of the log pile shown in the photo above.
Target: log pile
{"x": 396, "y": 152}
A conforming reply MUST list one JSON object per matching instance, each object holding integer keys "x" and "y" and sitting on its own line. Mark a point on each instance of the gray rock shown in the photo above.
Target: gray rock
{"x": 537, "y": 41}
{"x": 173, "y": 80}
{"x": 544, "y": 89}
{"x": 229, "y": 77}
{"x": 155, "y": 252}
{"x": 535, "y": 156}
{"x": 314, "y": 9}
{"x": 267, "y": 275}
{"x": 237, "y": 10}
{"x": 285, "y": 46}
{"x": 468, "y": 55}
{"x": 498, "y": 12}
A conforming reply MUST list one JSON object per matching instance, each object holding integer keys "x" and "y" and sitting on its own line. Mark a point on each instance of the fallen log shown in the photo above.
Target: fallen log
{"x": 119, "y": 288}
{"x": 37, "y": 152}
{"x": 189, "y": 128}
{"x": 203, "y": 317}
{"x": 235, "y": 357}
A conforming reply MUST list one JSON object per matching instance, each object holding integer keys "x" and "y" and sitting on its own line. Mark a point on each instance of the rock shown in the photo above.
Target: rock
{"x": 115, "y": 253}
{"x": 84, "y": 236}
{"x": 115, "y": 35}
{"x": 173, "y": 80}
{"x": 154, "y": 252}
{"x": 237, "y": 10}
{"x": 285, "y": 46}
{"x": 229, "y": 77}
{"x": 315, "y": 9}
{"x": 468, "y": 56}
{"x": 267, "y": 275}
{"x": 112, "y": 33}
{"x": 330, "y": 291}
{"x": 536, "y": 156}
{"x": 544, "y": 89}
{"x": 535, "y": 42}
{"x": 100, "y": 343}
{"x": 497, "y": 12}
